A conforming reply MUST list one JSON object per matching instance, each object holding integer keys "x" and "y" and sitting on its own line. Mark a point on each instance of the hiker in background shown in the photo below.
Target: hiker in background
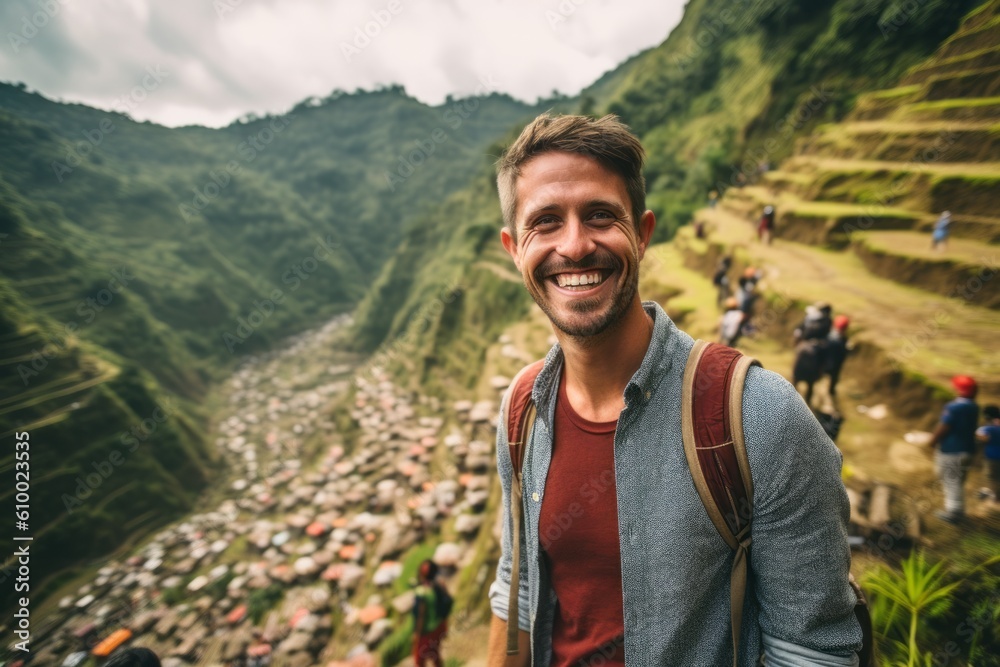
{"x": 746, "y": 297}
{"x": 807, "y": 367}
{"x": 955, "y": 438}
{"x": 713, "y": 198}
{"x": 989, "y": 435}
{"x": 699, "y": 229}
{"x": 731, "y": 323}
{"x": 721, "y": 280}
{"x": 939, "y": 237}
{"x": 133, "y": 657}
{"x": 431, "y": 606}
{"x": 836, "y": 352}
{"x": 816, "y": 324}
{"x": 811, "y": 346}
{"x": 765, "y": 228}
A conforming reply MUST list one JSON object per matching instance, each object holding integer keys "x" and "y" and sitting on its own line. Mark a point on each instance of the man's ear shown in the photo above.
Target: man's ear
{"x": 510, "y": 245}
{"x": 647, "y": 223}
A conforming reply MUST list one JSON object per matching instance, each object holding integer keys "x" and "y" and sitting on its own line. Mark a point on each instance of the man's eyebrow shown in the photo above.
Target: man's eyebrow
{"x": 593, "y": 203}
{"x": 541, "y": 209}
{"x": 603, "y": 203}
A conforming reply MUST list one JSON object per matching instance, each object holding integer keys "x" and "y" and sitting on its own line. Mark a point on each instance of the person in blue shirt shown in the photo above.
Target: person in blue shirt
{"x": 955, "y": 438}
{"x": 989, "y": 434}
{"x": 939, "y": 237}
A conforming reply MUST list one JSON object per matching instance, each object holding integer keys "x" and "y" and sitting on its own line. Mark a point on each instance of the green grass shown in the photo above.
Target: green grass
{"x": 892, "y": 93}
{"x": 262, "y": 600}
{"x": 820, "y": 209}
{"x": 953, "y": 103}
{"x": 792, "y": 176}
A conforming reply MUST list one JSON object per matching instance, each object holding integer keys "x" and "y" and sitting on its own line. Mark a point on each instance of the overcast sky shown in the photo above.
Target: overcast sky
{"x": 208, "y": 62}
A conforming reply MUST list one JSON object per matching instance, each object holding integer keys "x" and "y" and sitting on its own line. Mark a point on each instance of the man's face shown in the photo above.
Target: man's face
{"x": 577, "y": 246}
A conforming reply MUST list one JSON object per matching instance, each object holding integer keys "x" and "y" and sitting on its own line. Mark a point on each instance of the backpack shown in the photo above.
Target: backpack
{"x": 712, "y": 400}
{"x": 816, "y": 328}
{"x": 721, "y": 276}
{"x": 443, "y": 602}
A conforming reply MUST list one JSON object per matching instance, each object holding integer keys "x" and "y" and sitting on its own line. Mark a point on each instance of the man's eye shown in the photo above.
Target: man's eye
{"x": 602, "y": 217}
{"x": 547, "y": 222}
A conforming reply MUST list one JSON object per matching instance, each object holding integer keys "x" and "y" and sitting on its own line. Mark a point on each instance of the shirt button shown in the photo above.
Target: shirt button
{"x": 534, "y": 496}
{"x": 648, "y": 394}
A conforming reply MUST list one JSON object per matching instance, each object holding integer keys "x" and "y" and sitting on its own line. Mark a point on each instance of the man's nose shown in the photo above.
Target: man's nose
{"x": 576, "y": 241}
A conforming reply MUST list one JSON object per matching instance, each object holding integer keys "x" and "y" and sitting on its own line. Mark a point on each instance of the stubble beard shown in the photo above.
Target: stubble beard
{"x": 600, "y": 324}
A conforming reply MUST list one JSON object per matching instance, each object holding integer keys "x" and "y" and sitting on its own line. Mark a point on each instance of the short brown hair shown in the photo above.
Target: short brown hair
{"x": 606, "y": 139}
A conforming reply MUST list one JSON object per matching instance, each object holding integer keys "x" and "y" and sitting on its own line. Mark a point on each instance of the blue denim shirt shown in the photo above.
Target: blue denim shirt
{"x": 675, "y": 565}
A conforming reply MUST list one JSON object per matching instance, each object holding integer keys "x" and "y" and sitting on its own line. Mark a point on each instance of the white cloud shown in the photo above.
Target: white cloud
{"x": 267, "y": 55}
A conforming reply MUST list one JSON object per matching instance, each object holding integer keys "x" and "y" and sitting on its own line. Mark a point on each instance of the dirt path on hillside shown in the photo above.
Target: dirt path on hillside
{"x": 874, "y": 442}
{"x": 934, "y": 335}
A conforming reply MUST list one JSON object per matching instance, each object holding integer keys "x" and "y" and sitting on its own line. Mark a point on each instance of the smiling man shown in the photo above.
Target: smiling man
{"x": 619, "y": 561}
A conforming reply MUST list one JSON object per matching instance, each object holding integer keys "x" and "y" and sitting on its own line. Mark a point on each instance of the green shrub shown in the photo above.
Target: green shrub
{"x": 263, "y": 600}
{"x": 928, "y": 613}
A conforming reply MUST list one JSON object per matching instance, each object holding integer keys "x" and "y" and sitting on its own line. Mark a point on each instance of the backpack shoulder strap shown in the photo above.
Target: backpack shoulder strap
{"x": 712, "y": 430}
{"x": 517, "y": 414}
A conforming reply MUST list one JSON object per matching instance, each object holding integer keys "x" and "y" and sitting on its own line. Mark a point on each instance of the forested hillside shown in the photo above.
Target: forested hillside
{"x": 139, "y": 263}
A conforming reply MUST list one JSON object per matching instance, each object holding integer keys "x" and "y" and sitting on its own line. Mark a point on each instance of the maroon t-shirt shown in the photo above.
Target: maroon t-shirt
{"x": 578, "y": 528}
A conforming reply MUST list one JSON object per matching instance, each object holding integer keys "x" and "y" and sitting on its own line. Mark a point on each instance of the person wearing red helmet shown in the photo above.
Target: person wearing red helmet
{"x": 955, "y": 438}
{"x": 836, "y": 352}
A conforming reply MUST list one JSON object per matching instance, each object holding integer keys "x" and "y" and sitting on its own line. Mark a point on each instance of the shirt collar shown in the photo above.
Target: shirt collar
{"x": 655, "y": 364}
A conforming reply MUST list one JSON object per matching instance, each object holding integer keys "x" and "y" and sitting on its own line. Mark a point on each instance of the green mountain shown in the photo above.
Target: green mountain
{"x": 734, "y": 85}
{"x": 140, "y": 263}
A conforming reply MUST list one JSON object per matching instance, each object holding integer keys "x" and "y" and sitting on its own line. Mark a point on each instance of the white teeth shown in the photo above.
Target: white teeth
{"x": 578, "y": 280}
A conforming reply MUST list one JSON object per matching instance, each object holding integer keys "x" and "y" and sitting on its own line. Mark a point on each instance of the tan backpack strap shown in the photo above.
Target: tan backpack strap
{"x": 517, "y": 414}
{"x": 712, "y": 431}
{"x": 738, "y": 578}
{"x": 516, "y": 506}
{"x": 736, "y": 383}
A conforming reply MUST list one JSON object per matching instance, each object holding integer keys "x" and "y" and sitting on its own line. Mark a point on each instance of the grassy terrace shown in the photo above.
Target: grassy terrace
{"x": 979, "y": 59}
{"x": 983, "y": 108}
{"x": 906, "y": 257}
{"x": 960, "y": 169}
{"x": 955, "y": 335}
{"x": 917, "y": 245}
{"x": 750, "y": 199}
